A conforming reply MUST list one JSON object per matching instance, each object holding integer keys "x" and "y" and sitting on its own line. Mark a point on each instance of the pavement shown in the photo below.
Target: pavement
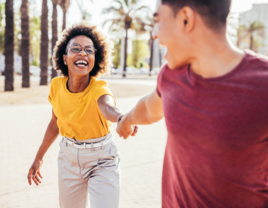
{"x": 21, "y": 132}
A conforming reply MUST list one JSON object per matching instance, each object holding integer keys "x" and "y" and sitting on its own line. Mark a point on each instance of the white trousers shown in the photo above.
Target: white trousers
{"x": 94, "y": 171}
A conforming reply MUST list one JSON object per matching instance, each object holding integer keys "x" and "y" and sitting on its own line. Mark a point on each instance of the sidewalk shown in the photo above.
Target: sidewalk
{"x": 21, "y": 132}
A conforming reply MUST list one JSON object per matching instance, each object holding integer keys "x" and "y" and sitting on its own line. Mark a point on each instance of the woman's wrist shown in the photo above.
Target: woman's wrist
{"x": 126, "y": 119}
{"x": 119, "y": 117}
{"x": 38, "y": 157}
{"x": 40, "y": 154}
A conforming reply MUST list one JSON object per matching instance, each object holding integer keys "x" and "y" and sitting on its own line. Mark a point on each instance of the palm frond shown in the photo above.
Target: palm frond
{"x": 110, "y": 9}
{"x": 255, "y": 26}
{"x": 120, "y": 3}
{"x": 113, "y": 21}
{"x": 141, "y": 8}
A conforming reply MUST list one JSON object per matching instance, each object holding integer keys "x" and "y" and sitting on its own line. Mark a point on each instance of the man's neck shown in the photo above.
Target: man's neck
{"x": 216, "y": 57}
{"x": 78, "y": 84}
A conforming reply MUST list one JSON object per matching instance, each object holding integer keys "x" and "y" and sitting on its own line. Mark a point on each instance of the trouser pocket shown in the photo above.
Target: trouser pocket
{"x": 113, "y": 151}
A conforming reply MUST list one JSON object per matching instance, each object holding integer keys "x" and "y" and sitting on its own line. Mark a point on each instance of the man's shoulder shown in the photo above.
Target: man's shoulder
{"x": 256, "y": 61}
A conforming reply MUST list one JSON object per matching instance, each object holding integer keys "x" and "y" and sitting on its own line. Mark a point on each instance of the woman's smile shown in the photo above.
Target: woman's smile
{"x": 78, "y": 57}
{"x": 81, "y": 62}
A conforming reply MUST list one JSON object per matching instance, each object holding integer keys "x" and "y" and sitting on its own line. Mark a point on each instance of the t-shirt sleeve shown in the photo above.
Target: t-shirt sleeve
{"x": 102, "y": 88}
{"x": 159, "y": 81}
{"x": 51, "y": 92}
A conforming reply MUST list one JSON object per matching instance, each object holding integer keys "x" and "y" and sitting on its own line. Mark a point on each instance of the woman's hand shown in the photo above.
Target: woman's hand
{"x": 50, "y": 136}
{"x": 34, "y": 172}
{"x": 123, "y": 129}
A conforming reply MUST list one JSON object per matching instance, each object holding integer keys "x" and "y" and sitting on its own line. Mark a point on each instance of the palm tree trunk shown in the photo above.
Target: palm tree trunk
{"x": 25, "y": 44}
{"x": 64, "y": 4}
{"x": 44, "y": 44}
{"x": 9, "y": 47}
{"x": 54, "y": 35}
{"x": 64, "y": 21}
{"x": 152, "y": 55}
{"x": 125, "y": 55}
{"x": 251, "y": 42}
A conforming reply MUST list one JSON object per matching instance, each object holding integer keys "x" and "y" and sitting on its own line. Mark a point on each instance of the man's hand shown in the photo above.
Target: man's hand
{"x": 123, "y": 129}
{"x": 34, "y": 172}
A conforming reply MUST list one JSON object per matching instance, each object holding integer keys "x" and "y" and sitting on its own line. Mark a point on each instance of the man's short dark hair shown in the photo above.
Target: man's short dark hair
{"x": 213, "y": 12}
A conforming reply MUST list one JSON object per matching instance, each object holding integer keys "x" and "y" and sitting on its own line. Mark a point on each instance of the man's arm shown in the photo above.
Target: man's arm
{"x": 147, "y": 111}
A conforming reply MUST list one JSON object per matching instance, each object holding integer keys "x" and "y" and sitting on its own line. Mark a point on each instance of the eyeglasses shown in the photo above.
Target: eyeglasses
{"x": 76, "y": 48}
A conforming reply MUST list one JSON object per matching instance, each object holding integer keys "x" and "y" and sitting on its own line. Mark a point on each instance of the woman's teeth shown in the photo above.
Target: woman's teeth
{"x": 81, "y": 63}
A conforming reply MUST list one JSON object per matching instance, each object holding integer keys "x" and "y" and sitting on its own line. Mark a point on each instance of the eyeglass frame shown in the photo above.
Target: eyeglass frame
{"x": 95, "y": 50}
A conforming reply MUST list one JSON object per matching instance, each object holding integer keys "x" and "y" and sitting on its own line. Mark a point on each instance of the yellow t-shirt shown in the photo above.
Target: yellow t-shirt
{"x": 78, "y": 114}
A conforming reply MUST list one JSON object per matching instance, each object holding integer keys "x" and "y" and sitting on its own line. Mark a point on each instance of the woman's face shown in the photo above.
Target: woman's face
{"x": 81, "y": 63}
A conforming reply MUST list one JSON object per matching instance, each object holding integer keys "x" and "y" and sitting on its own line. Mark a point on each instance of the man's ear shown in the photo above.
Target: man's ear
{"x": 187, "y": 15}
{"x": 65, "y": 59}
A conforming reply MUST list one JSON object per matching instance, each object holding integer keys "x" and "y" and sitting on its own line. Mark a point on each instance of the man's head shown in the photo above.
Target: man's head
{"x": 181, "y": 25}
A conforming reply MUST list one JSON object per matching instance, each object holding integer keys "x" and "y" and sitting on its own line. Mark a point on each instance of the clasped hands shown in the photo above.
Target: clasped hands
{"x": 124, "y": 129}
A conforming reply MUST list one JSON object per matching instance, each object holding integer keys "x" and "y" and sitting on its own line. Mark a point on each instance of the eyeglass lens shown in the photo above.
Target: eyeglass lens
{"x": 77, "y": 48}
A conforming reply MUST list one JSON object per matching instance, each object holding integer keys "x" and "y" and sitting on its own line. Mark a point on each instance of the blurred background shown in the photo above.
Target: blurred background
{"x": 38, "y": 24}
{"x": 29, "y": 30}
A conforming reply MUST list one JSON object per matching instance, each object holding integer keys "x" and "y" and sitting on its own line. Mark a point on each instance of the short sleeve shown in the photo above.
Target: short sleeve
{"x": 102, "y": 88}
{"x": 159, "y": 81}
{"x": 51, "y": 92}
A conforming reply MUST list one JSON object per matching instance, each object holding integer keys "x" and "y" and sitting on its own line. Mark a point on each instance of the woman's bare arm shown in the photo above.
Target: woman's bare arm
{"x": 51, "y": 134}
{"x": 108, "y": 109}
{"x": 112, "y": 113}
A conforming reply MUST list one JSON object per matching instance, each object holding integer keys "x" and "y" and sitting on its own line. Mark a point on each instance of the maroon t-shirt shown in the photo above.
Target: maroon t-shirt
{"x": 217, "y": 148}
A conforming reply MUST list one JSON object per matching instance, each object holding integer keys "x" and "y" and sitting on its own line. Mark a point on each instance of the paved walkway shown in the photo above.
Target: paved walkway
{"x": 21, "y": 132}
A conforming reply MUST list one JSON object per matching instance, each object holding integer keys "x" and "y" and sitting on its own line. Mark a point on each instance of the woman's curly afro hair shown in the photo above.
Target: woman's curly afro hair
{"x": 101, "y": 43}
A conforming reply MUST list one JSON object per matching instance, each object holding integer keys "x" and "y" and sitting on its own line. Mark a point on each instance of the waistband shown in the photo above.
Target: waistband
{"x": 95, "y": 140}
{"x": 89, "y": 143}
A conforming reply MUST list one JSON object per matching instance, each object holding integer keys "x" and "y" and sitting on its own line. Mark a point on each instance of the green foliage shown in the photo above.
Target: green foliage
{"x": 140, "y": 51}
{"x": 35, "y": 63}
{"x": 258, "y": 43}
{"x": 2, "y": 27}
{"x": 255, "y": 26}
{"x": 248, "y": 32}
{"x": 35, "y": 34}
{"x": 116, "y": 54}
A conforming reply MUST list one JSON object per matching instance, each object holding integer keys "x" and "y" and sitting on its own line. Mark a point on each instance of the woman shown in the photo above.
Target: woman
{"x": 82, "y": 108}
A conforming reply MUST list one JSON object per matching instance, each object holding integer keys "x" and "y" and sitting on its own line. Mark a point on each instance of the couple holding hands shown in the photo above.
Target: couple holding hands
{"x": 83, "y": 108}
{"x": 214, "y": 97}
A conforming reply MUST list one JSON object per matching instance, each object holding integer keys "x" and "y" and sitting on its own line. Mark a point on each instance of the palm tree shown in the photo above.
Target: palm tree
{"x": 253, "y": 27}
{"x": 44, "y": 44}
{"x": 240, "y": 34}
{"x": 2, "y": 33}
{"x": 64, "y": 4}
{"x": 25, "y": 44}
{"x": 124, "y": 16}
{"x": 54, "y": 31}
{"x": 9, "y": 47}
{"x": 146, "y": 25}
{"x": 85, "y": 14}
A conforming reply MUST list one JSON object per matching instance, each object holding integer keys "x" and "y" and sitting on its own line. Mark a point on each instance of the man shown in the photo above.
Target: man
{"x": 215, "y": 101}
